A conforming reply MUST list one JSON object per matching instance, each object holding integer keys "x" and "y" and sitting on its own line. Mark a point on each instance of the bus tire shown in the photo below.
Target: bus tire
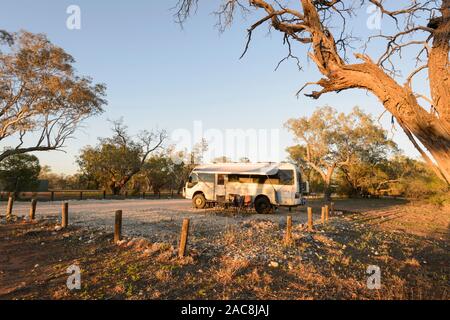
{"x": 263, "y": 206}
{"x": 199, "y": 201}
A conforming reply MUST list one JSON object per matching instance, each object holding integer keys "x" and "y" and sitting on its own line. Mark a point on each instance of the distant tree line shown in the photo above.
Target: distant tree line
{"x": 122, "y": 163}
{"x": 352, "y": 155}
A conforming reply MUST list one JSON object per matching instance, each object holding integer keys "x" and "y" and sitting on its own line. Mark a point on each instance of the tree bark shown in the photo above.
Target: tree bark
{"x": 438, "y": 63}
{"x": 326, "y": 177}
{"x": 327, "y": 191}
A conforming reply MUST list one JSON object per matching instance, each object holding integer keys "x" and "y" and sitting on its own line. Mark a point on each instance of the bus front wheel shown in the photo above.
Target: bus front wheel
{"x": 199, "y": 201}
{"x": 263, "y": 206}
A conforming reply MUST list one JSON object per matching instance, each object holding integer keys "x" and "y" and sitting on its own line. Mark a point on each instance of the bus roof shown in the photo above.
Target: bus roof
{"x": 240, "y": 168}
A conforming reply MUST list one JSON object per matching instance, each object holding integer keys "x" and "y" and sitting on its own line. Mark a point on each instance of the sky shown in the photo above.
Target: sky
{"x": 161, "y": 76}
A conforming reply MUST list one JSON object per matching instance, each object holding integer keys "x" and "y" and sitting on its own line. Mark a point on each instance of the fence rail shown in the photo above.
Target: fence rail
{"x": 61, "y": 195}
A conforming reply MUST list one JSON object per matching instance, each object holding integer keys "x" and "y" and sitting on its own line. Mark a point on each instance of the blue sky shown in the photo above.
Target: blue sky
{"x": 161, "y": 76}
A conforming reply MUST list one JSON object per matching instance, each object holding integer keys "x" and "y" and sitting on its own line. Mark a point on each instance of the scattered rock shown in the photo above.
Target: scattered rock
{"x": 142, "y": 243}
{"x": 274, "y": 264}
{"x": 121, "y": 242}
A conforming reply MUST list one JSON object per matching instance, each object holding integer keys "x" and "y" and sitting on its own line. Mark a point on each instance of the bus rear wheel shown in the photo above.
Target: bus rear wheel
{"x": 199, "y": 201}
{"x": 263, "y": 206}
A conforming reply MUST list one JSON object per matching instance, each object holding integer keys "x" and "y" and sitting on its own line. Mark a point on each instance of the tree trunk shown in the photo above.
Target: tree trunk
{"x": 326, "y": 177}
{"x": 435, "y": 141}
{"x": 327, "y": 192}
{"x": 115, "y": 189}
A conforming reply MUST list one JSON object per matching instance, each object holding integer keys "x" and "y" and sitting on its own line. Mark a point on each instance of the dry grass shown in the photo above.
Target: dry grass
{"x": 249, "y": 261}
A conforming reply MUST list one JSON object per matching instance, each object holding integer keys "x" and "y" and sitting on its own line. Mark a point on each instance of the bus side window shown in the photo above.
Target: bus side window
{"x": 206, "y": 177}
{"x": 220, "y": 179}
{"x": 286, "y": 177}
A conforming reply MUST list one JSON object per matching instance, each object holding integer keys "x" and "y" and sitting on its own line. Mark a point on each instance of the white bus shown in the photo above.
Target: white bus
{"x": 264, "y": 186}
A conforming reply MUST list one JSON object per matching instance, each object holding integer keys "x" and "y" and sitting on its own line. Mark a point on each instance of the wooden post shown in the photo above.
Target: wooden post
{"x": 81, "y": 195}
{"x": 33, "y": 209}
{"x": 310, "y": 219}
{"x": 183, "y": 239}
{"x": 143, "y": 195}
{"x": 327, "y": 212}
{"x": 118, "y": 226}
{"x": 332, "y": 208}
{"x": 52, "y": 196}
{"x": 9, "y": 208}
{"x": 288, "y": 239}
{"x": 104, "y": 194}
{"x": 65, "y": 215}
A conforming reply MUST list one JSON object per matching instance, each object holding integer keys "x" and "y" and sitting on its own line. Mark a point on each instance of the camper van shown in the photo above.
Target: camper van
{"x": 262, "y": 186}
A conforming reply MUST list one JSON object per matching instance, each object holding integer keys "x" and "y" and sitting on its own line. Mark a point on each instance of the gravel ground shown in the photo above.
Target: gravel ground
{"x": 230, "y": 255}
{"x": 157, "y": 220}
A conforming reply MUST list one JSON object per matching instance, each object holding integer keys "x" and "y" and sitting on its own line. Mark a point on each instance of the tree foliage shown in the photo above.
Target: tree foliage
{"x": 115, "y": 160}
{"x": 20, "y": 172}
{"x": 168, "y": 169}
{"x": 330, "y": 140}
{"x": 42, "y": 99}
{"x": 77, "y": 181}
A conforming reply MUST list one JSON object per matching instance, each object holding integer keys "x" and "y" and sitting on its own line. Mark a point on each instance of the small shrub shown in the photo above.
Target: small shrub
{"x": 439, "y": 199}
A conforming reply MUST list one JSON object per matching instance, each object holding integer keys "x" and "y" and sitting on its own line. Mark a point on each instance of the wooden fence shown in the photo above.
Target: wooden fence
{"x": 61, "y": 195}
